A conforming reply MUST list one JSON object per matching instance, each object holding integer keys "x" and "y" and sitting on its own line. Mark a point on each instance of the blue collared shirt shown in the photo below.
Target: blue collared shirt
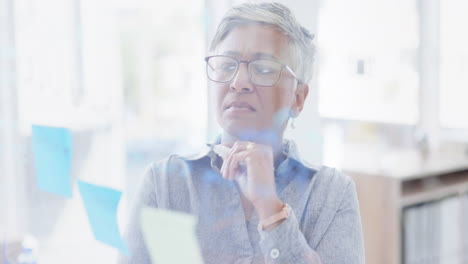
{"x": 324, "y": 226}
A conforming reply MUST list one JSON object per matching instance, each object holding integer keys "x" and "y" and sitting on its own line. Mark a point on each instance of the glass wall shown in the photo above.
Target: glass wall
{"x": 127, "y": 79}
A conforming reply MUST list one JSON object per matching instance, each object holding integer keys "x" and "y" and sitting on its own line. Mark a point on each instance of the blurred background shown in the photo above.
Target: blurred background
{"x": 388, "y": 105}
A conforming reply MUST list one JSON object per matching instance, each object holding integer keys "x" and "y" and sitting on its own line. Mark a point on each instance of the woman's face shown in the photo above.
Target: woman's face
{"x": 243, "y": 108}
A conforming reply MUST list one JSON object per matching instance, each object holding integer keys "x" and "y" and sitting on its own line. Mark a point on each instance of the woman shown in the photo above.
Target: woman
{"x": 255, "y": 200}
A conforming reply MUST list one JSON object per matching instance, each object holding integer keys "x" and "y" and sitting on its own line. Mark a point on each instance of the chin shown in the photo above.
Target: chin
{"x": 247, "y": 132}
{"x": 240, "y": 130}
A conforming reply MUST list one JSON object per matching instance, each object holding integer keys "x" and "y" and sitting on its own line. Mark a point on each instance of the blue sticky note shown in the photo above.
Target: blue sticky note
{"x": 52, "y": 148}
{"x": 101, "y": 206}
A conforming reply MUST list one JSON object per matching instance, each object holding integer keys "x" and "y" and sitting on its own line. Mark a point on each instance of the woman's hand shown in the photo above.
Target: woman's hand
{"x": 252, "y": 166}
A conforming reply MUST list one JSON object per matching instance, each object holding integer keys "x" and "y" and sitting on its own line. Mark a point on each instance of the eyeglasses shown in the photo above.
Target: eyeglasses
{"x": 262, "y": 72}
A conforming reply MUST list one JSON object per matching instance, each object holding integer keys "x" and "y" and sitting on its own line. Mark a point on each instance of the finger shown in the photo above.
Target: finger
{"x": 223, "y": 167}
{"x": 237, "y": 147}
{"x": 229, "y": 166}
{"x": 232, "y": 166}
{"x": 237, "y": 168}
{"x": 226, "y": 162}
{"x": 227, "y": 169}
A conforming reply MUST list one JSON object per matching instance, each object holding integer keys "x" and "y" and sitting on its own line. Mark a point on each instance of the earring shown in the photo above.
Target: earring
{"x": 293, "y": 124}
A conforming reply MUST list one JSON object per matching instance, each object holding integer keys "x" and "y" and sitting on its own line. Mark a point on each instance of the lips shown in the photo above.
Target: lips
{"x": 240, "y": 105}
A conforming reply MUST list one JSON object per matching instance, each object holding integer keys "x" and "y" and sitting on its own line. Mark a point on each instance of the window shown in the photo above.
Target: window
{"x": 368, "y": 60}
{"x": 453, "y": 64}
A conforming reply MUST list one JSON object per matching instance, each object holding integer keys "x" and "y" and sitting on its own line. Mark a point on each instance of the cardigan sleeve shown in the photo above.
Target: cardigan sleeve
{"x": 342, "y": 242}
{"x": 286, "y": 244}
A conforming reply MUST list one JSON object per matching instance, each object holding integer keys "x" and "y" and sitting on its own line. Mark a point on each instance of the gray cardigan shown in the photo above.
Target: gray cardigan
{"x": 324, "y": 227}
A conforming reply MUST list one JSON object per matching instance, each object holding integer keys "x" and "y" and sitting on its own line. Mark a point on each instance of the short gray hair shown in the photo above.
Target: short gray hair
{"x": 277, "y": 15}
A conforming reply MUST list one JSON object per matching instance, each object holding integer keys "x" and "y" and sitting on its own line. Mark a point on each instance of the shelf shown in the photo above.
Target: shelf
{"x": 403, "y": 165}
{"x": 389, "y": 184}
{"x": 434, "y": 188}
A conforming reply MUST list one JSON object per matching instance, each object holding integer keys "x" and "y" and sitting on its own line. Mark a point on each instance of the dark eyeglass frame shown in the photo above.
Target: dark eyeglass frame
{"x": 283, "y": 66}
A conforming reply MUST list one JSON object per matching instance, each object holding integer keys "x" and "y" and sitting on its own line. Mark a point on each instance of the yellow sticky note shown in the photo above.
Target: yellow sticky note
{"x": 170, "y": 236}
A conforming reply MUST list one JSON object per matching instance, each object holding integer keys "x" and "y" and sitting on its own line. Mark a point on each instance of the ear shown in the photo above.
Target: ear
{"x": 302, "y": 91}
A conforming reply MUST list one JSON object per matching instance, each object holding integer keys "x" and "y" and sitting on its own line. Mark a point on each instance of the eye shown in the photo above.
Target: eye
{"x": 264, "y": 69}
{"x": 228, "y": 67}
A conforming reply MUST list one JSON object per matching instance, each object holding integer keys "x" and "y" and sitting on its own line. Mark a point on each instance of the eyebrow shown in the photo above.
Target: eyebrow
{"x": 257, "y": 55}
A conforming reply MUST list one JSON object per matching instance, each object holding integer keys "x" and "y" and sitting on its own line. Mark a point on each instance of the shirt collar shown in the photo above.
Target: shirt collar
{"x": 289, "y": 149}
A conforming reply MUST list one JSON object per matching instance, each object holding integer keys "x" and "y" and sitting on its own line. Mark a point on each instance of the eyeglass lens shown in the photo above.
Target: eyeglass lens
{"x": 261, "y": 72}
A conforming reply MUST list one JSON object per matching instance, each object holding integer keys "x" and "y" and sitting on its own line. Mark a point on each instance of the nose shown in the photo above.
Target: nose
{"x": 241, "y": 82}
